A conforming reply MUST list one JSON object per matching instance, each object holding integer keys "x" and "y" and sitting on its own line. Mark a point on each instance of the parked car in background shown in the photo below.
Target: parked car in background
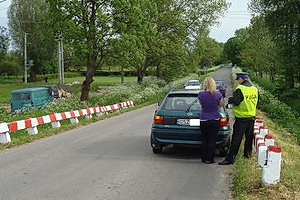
{"x": 30, "y": 98}
{"x": 193, "y": 85}
{"x": 177, "y": 121}
{"x": 221, "y": 87}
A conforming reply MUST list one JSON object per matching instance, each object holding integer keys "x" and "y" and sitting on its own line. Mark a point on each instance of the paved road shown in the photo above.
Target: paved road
{"x": 109, "y": 160}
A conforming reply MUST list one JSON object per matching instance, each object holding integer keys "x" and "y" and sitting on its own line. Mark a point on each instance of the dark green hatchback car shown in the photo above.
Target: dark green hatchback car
{"x": 177, "y": 121}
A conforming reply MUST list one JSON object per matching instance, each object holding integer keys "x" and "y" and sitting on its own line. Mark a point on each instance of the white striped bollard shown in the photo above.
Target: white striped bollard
{"x": 269, "y": 139}
{"x": 263, "y": 130}
{"x": 271, "y": 171}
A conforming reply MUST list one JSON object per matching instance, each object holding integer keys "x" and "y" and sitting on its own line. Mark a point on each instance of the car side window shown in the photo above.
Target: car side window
{"x": 25, "y": 96}
{"x": 16, "y": 97}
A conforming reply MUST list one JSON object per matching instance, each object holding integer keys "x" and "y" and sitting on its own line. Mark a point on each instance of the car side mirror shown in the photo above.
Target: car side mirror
{"x": 159, "y": 103}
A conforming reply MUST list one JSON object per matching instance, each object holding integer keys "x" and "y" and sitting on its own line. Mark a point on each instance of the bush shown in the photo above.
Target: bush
{"x": 279, "y": 112}
{"x": 265, "y": 83}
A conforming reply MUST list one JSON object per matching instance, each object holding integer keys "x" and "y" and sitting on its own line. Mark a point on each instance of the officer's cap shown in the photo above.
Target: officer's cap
{"x": 242, "y": 75}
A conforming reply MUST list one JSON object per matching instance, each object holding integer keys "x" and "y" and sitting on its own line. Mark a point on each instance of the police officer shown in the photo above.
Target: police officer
{"x": 244, "y": 101}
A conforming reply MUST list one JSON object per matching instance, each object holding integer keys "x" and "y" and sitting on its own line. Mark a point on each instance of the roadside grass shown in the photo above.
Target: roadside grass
{"x": 21, "y": 137}
{"x": 7, "y": 85}
{"x": 247, "y": 174}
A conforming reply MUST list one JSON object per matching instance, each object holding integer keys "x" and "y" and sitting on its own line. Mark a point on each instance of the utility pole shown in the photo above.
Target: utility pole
{"x": 60, "y": 59}
{"x": 62, "y": 62}
{"x": 25, "y": 58}
{"x": 59, "y": 63}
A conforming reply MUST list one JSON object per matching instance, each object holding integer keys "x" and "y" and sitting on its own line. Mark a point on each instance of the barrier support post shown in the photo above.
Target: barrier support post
{"x": 4, "y": 133}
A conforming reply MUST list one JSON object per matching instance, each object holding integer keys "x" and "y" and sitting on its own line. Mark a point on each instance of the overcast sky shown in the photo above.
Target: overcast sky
{"x": 236, "y": 17}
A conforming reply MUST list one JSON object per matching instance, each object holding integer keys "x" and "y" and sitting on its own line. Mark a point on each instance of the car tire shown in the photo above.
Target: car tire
{"x": 157, "y": 150}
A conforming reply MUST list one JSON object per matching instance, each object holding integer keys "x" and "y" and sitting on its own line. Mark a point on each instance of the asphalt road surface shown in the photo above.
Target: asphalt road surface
{"x": 110, "y": 160}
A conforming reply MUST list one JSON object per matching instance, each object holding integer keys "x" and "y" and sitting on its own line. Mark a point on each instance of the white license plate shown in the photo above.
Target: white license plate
{"x": 188, "y": 122}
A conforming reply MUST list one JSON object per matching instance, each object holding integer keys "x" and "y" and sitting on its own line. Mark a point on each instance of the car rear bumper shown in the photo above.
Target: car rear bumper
{"x": 188, "y": 137}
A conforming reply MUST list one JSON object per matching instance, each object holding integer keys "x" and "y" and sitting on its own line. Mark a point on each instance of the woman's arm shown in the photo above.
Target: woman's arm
{"x": 221, "y": 102}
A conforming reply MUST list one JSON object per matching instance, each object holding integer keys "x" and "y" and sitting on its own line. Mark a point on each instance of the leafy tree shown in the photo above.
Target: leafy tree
{"x": 260, "y": 52}
{"x": 88, "y": 28}
{"x": 10, "y": 66}
{"x": 4, "y": 42}
{"x": 134, "y": 25}
{"x": 232, "y": 50}
{"x": 208, "y": 50}
{"x": 282, "y": 19}
{"x": 31, "y": 17}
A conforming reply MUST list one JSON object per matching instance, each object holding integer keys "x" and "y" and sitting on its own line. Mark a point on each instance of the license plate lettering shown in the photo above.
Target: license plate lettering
{"x": 183, "y": 122}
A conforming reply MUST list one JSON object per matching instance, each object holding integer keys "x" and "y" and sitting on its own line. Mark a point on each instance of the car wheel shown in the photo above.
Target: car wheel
{"x": 157, "y": 150}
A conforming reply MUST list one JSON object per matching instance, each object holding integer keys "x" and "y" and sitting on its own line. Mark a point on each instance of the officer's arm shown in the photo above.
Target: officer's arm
{"x": 237, "y": 97}
{"x": 257, "y": 99}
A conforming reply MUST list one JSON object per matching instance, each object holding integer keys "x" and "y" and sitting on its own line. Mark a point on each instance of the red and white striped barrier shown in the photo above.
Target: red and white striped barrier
{"x": 271, "y": 171}
{"x": 31, "y": 125}
{"x": 54, "y": 118}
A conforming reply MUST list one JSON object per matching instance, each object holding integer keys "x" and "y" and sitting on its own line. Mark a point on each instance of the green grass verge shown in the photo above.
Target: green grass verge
{"x": 247, "y": 174}
{"x": 7, "y": 85}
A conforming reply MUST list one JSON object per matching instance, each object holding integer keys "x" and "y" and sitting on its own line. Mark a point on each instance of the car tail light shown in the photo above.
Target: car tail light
{"x": 158, "y": 119}
{"x": 223, "y": 121}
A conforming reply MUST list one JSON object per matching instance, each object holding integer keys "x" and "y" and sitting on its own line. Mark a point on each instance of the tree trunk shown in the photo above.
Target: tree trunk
{"x": 93, "y": 54}
{"x": 122, "y": 75}
{"x": 158, "y": 71}
{"x": 272, "y": 73}
{"x": 140, "y": 76}
{"x": 260, "y": 73}
{"x": 32, "y": 77}
{"x": 88, "y": 77}
{"x": 289, "y": 77}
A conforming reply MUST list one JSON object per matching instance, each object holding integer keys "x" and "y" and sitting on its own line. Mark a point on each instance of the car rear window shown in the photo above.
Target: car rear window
{"x": 193, "y": 83}
{"x": 182, "y": 102}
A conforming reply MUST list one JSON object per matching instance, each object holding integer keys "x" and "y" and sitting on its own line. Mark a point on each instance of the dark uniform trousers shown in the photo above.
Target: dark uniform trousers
{"x": 241, "y": 127}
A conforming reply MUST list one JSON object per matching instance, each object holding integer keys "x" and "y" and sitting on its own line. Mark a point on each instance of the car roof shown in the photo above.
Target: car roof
{"x": 32, "y": 89}
{"x": 219, "y": 81}
{"x": 196, "y": 91}
{"x": 193, "y": 81}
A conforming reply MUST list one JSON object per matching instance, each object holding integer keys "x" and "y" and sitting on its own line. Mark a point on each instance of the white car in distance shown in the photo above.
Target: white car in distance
{"x": 193, "y": 85}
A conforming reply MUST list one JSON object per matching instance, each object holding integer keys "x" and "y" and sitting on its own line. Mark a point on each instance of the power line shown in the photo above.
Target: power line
{"x": 236, "y": 18}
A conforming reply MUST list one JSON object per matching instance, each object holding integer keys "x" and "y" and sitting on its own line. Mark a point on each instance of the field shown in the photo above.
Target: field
{"x": 7, "y": 85}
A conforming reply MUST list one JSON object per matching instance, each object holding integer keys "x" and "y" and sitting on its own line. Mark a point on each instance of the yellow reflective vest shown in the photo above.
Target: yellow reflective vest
{"x": 247, "y": 108}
